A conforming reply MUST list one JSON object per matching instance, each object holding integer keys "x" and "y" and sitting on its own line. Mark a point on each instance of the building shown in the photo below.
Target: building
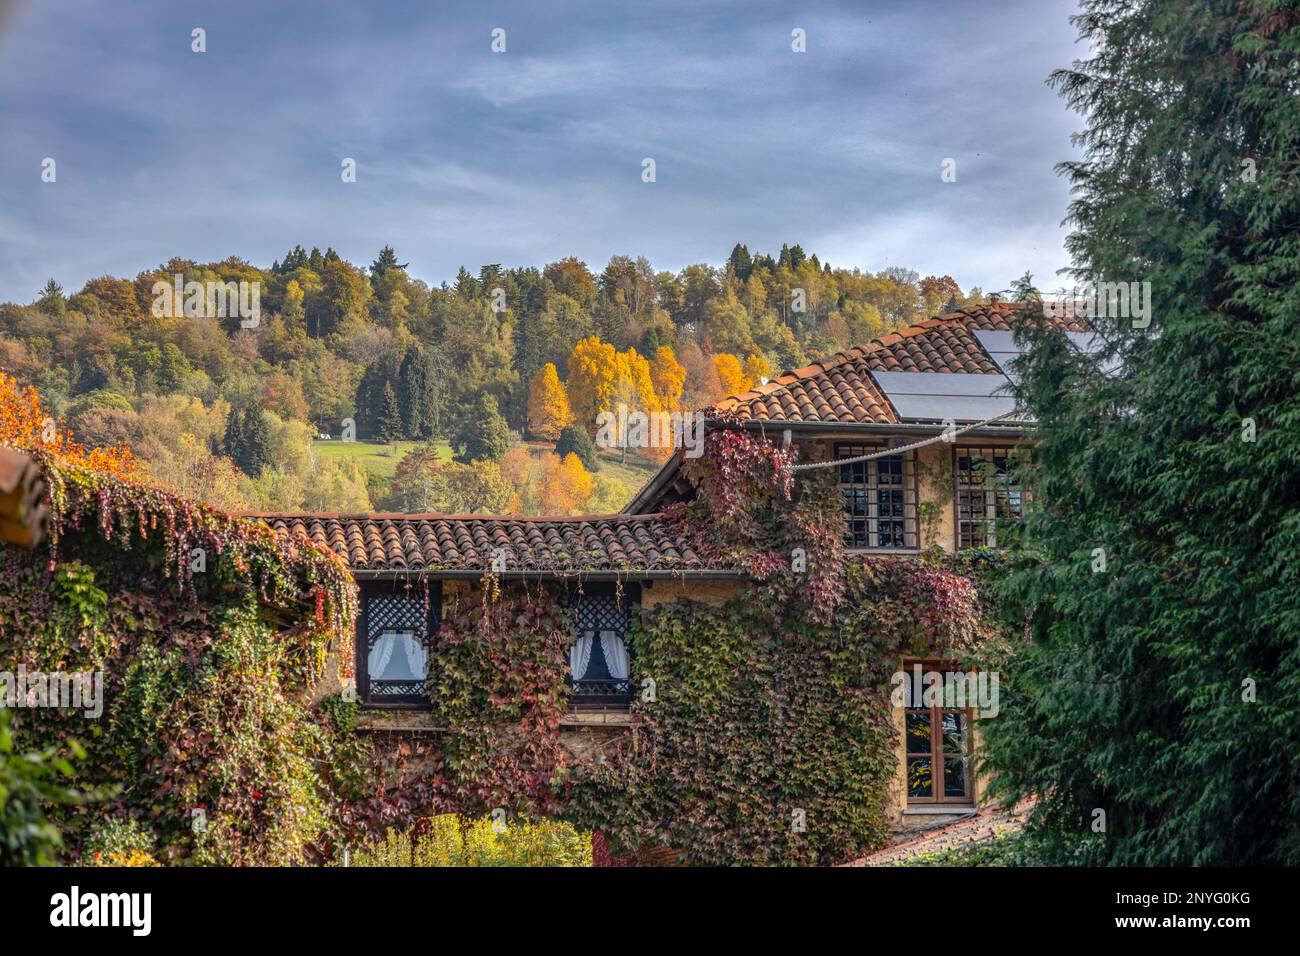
{"x": 918, "y": 431}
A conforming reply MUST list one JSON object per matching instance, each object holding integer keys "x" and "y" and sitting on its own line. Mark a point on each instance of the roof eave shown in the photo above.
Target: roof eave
{"x": 650, "y": 490}
{"x": 590, "y": 574}
{"x": 895, "y": 428}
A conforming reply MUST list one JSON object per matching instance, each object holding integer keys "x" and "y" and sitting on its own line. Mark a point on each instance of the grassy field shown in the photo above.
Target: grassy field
{"x": 380, "y": 458}
{"x": 634, "y": 474}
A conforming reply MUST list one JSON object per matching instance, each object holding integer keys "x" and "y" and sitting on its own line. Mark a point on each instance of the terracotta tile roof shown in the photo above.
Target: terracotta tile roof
{"x": 466, "y": 543}
{"x": 840, "y": 388}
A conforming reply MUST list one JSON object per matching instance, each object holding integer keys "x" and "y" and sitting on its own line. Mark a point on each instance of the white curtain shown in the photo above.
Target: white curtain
{"x": 383, "y": 665}
{"x": 615, "y": 654}
{"x": 580, "y": 656}
{"x": 417, "y": 656}
{"x": 380, "y": 655}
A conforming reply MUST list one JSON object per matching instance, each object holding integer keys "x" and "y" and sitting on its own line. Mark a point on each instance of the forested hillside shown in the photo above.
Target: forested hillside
{"x": 477, "y": 395}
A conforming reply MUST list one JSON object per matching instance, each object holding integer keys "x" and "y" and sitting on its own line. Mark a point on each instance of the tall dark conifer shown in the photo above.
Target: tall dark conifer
{"x": 1154, "y": 710}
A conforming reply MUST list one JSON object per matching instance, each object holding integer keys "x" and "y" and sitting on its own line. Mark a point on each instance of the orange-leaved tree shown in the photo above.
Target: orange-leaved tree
{"x": 568, "y": 485}
{"x": 25, "y": 425}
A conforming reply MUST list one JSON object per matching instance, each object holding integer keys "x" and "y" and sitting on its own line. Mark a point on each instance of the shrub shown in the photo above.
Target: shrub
{"x": 449, "y": 840}
{"x": 28, "y": 782}
{"x": 574, "y": 439}
{"x": 119, "y": 841}
{"x": 118, "y": 836}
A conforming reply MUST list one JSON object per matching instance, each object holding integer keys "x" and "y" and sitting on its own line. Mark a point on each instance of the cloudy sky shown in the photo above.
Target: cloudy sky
{"x": 465, "y": 156}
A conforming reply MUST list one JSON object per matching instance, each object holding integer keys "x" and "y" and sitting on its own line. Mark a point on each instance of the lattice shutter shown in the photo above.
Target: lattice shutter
{"x": 397, "y": 612}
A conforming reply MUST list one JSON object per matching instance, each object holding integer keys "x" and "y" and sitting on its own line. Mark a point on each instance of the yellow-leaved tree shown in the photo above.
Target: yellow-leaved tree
{"x": 756, "y": 369}
{"x": 669, "y": 378}
{"x": 568, "y": 486}
{"x": 548, "y": 404}
{"x": 730, "y": 374}
{"x": 593, "y": 373}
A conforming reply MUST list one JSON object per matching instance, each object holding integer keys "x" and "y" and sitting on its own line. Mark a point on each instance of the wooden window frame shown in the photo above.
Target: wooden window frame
{"x": 433, "y": 612}
{"x": 964, "y": 524}
{"x": 910, "y": 487}
{"x": 936, "y": 753}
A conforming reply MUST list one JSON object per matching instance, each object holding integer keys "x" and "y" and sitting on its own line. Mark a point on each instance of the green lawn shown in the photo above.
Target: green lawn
{"x": 634, "y": 474}
{"x": 379, "y": 458}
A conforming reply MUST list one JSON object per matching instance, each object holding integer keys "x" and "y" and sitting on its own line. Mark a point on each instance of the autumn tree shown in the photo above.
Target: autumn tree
{"x": 568, "y": 486}
{"x": 25, "y": 425}
{"x": 669, "y": 377}
{"x": 756, "y": 370}
{"x": 593, "y": 375}
{"x": 730, "y": 374}
{"x": 548, "y": 404}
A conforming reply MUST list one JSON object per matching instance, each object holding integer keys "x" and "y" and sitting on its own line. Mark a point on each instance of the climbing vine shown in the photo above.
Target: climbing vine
{"x": 768, "y": 737}
{"x": 209, "y": 632}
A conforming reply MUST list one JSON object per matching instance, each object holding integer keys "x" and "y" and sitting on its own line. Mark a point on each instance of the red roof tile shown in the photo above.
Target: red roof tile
{"x": 840, "y": 388}
{"x": 435, "y": 542}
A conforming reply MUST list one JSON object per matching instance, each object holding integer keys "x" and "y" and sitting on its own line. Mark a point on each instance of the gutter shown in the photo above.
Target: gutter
{"x": 473, "y": 574}
{"x": 888, "y": 428}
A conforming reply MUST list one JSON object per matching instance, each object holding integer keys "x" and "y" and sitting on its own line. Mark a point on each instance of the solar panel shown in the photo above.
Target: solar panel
{"x": 940, "y": 396}
{"x": 1089, "y": 343}
{"x": 1002, "y": 348}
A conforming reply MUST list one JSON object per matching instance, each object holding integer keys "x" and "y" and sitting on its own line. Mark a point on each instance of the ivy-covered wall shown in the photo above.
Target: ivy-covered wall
{"x": 769, "y": 735}
{"x": 209, "y": 633}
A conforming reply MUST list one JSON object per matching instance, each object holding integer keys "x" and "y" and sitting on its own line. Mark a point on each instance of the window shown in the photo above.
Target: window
{"x": 599, "y": 667}
{"x": 939, "y": 749}
{"x": 394, "y": 631}
{"x": 879, "y": 499}
{"x": 988, "y": 491}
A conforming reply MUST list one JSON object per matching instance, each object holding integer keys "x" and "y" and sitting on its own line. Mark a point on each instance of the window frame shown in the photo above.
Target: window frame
{"x": 964, "y": 539}
{"x": 936, "y": 753}
{"x": 631, "y": 597}
{"x": 910, "y": 487}
{"x": 433, "y": 612}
